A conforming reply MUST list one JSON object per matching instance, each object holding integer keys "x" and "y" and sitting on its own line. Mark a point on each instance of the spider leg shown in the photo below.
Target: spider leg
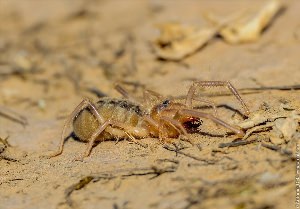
{"x": 151, "y": 121}
{"x": 99, "y": 130}
{"x": 162, "y": 136}
{"x": 134, "y": 140}
{"x": 210, "y": 103}
{"x": 159, "y": 125}
{"x": 83, "y": 104}
{"x": 197, "y": 114}
{"x": 149, "y": 93}
{"x": 125, "y": 93}
{"x": 175, "y": 124}
{"x": 93, "y": 138}
{"x": 12, "y": 115}
{"x": 227, "y": 84}
{"x": 178, "y": 127}
{"x": 148, "y": 96}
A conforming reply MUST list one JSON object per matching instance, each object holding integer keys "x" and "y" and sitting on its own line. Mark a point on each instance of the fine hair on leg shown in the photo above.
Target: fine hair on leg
{"x": 83, "y": 104}
{"x": 125, "y": 93}
{"x": 208, "y": 102}
{"x": 178, "y": 127}
{"x": 191, "y": 92}
{"x": 93, "y": 138}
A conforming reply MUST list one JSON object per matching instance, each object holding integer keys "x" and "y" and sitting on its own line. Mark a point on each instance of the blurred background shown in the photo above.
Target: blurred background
{"x": 55, "y": 53}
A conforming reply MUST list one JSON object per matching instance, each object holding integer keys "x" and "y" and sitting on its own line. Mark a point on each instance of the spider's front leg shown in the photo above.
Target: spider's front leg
{"x": 227, "y": 84}
{"x": 193, "y": 113}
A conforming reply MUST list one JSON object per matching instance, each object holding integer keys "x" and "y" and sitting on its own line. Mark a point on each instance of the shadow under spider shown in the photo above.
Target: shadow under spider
{"x": 225, "y": 106}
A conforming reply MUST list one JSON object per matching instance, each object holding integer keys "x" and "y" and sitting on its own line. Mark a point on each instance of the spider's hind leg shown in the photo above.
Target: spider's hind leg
{"x": 85, "y": 103}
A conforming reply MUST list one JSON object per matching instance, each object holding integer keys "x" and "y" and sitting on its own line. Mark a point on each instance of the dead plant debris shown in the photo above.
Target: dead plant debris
{"x": 250, "y": 24}
{"x": 177, "y": 41}
{"x": 154, "y": 172}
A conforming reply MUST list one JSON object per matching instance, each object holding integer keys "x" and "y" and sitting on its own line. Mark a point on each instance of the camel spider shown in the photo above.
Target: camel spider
{"x": 126, "y": 118}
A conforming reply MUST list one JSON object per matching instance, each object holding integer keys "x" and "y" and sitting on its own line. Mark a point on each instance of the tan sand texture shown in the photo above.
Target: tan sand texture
{"x": 55, "y": 53}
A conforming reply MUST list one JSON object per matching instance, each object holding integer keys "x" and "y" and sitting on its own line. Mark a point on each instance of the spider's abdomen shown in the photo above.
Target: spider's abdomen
{"x": 118, "y": 110}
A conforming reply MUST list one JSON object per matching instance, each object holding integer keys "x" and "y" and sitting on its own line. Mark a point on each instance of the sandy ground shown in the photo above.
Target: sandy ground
{"x": 53, "y": 53}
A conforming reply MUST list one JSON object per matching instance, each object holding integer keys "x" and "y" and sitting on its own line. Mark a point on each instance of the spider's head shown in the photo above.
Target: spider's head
{"x": 163, "y": 107}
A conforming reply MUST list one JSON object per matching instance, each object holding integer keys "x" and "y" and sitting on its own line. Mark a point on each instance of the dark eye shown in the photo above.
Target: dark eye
{"x": 166, "y": 103}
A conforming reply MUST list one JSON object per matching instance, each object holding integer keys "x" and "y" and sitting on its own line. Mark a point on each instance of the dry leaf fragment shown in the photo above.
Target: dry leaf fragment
{"x": 284, "y": 128}
{"x": 287, "y": 127}
{"x": 248, "y": 27}
{"x": 177, "y": 41}
{"x": 276, "y": 139}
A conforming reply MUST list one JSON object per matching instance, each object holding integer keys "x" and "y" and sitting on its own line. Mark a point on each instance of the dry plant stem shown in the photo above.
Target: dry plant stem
{"x": 236, "y": 143}
{"x": 194, "y": 113}
{"x": 283, "y": 88}
{"x": 191, "y": 92}
{"x": 155, "y": 171}
{"x": 11, "y": 115}
{"x": 279, "y": 150}
{"x": 85, "y": 103}
{"x": 178, "y": 151}
{"x": 257, "y": 128}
